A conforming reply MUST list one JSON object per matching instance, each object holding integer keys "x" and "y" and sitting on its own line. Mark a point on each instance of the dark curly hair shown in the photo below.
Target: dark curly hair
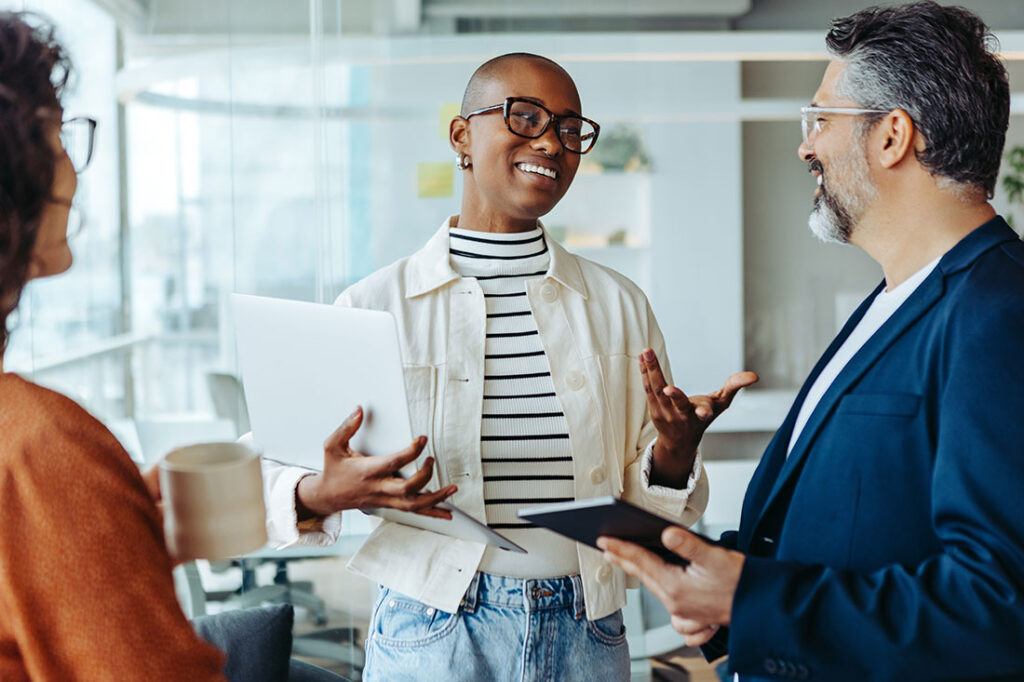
{"x": 938, "y": 64}
{"x": 34, "y": 70}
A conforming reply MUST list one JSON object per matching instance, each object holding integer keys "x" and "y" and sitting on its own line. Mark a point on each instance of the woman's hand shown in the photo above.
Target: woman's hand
{"x": 352, "y": 480}
{"x": 681, "y": 420}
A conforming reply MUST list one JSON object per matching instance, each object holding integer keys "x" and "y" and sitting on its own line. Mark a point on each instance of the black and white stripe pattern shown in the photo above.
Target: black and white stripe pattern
{"x": 524, "y": 445}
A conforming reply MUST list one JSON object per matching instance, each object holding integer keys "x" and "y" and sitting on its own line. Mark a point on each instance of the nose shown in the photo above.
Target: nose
{"x": 805, "y": 152}
{"x": 548, "y": 143}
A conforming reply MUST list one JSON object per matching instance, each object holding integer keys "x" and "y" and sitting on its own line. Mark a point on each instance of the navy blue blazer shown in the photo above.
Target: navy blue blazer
{"x": 889, "y": 544}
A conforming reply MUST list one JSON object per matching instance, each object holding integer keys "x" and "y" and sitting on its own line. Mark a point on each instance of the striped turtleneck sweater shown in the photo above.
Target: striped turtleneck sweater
{"x": 524, "y": 446}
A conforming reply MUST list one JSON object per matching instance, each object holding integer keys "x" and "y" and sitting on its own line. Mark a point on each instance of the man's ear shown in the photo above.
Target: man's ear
{"x": 898, "y": 138}
{"x": 458, "y": 135}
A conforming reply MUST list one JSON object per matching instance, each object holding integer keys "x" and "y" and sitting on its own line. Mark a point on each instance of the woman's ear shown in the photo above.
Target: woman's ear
{"x": 898, "y": 139}
{"x": 458, "y": 135}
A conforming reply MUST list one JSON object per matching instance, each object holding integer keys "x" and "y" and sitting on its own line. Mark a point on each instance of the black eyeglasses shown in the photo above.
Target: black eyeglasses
{"x": 530, "y": 120}
{"x": 78, "y": 136}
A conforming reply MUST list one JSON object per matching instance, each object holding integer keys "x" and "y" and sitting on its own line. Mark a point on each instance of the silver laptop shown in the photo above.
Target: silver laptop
{"x": 306, "y": 366}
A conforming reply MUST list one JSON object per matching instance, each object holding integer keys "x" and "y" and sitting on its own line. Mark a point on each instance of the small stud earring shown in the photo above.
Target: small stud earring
{"x": 462, "y": 161}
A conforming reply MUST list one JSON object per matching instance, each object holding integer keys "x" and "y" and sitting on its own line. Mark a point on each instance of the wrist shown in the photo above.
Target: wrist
{"x": 307, "y": 497}
{"x": 670, "y": 468}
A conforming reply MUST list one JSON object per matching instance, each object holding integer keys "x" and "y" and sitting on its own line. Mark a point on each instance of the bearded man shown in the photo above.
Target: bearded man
{"x": 882, "y": 536}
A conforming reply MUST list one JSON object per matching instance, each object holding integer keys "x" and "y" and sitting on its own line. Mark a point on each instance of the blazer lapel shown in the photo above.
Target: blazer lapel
{"x": 912, "y": 309}
{"x": 763, "y": 483}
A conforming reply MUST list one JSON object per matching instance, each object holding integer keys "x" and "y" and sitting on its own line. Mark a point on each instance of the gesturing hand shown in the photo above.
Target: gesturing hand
{"x": 352, "y": 480}
{"x": 681, "y": 420}
{"x": 698, "y": 596}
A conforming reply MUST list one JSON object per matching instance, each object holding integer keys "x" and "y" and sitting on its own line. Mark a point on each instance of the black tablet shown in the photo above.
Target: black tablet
{"x": 587, "y": 520}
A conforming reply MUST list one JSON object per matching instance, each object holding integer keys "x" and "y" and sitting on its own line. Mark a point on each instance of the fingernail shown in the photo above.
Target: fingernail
{"x": 648, "y": 355}
{"x": 602, "y": 543}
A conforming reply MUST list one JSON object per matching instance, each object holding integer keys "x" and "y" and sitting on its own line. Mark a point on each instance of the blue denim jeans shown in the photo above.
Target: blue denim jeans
{"x": 506, "y": 629}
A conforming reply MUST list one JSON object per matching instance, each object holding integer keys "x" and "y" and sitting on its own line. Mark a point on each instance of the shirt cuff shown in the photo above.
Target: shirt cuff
{"x": 647, "y": 463}
{"x": 283, "y": 525}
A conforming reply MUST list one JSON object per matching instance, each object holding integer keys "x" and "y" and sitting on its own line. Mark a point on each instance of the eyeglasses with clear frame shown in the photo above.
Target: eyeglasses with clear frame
{"x": 78, "y": 135}
{"x": 530, "y": 120}
{"x": 811, "y": 122}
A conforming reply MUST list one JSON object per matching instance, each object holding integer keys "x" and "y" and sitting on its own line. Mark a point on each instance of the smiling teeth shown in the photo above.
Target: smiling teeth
{"x": 540, "y": 170}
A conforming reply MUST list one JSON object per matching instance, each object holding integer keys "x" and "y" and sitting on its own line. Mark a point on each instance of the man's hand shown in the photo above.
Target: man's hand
{"x": 697, "y": 596}
{"x": 352, "y": 480}
{"x": 681, "y": 420}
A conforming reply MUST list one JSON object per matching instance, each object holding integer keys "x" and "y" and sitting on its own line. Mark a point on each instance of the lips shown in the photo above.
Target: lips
{"x": 815, "y": 169}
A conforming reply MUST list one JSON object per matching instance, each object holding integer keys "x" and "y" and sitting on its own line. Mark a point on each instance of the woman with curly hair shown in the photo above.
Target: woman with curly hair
{"x": 85, "y": 579}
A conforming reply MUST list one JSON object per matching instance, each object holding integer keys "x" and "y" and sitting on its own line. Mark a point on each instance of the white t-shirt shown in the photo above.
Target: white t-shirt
{"x": 885, "y": 304}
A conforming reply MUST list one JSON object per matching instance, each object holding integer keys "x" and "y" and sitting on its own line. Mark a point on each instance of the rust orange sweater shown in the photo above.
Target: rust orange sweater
{"x": 85, "y": 580}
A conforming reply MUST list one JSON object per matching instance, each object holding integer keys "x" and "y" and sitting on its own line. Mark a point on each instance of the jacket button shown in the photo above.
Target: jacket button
{"x": 604, "y": 574}
{"x": 770, "y": 666}
{"x": 549, "y": 292}
{"x": 597, "y": 475}
{"x": 802, "y": 673}
{"x": 575, "y": 380}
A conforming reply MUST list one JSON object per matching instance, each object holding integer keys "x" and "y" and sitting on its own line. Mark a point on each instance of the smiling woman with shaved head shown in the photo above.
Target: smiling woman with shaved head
{"x": 537, "y": 376}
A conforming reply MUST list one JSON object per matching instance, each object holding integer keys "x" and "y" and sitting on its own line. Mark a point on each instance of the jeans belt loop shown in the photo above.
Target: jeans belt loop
{"x": 470, "y": 598}
{"x": 577, "y": 597}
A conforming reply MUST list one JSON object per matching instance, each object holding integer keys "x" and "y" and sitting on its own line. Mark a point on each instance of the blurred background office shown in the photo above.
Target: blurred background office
{"x": 289, "y": 148}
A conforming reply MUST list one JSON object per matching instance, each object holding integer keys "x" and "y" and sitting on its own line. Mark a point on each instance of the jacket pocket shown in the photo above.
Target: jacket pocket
{"x": 421, "y": 393}
{"x": 880, "y": 404}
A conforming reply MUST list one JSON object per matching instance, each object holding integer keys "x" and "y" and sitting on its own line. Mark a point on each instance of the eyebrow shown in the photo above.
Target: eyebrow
{"x": 572, "y": 112}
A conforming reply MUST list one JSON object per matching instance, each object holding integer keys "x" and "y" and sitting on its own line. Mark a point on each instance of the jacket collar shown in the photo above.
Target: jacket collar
{"x": 430, "y": 268}
{"x": 978, "y": 241}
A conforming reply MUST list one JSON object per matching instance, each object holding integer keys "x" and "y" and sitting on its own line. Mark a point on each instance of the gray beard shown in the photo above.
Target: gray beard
{"x": 830, "y": 221}
{"x": 834, "y": 216}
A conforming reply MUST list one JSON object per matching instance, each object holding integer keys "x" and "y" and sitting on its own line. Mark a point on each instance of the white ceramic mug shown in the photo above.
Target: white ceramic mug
{"x": 213, "y": 501}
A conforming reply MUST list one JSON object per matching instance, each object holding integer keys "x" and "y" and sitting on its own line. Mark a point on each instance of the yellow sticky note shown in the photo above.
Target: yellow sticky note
{"x": 435, "y": 179}
{"x": 449, "y": 110}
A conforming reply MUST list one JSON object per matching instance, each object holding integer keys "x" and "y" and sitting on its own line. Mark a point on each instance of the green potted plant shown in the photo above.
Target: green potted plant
{"x": 1013, "y": 181}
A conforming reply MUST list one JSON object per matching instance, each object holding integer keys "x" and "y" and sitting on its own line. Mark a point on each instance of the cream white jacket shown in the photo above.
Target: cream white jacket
{"x": 593, "y": 323}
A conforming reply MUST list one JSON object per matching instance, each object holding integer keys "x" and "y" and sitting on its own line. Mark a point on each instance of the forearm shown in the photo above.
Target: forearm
{"x": 890, "y": 624}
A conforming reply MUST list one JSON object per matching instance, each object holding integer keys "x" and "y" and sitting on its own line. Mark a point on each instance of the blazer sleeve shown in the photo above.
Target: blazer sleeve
{"x": 85, "y": 578}
{"x": 958, "y": 614}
